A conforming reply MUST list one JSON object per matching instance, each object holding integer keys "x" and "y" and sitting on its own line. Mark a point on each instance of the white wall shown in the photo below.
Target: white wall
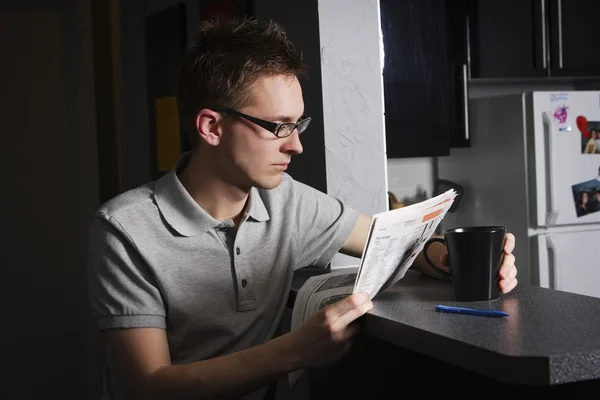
{"x": 351, "y": 69}
{"x": 408, "y": 175}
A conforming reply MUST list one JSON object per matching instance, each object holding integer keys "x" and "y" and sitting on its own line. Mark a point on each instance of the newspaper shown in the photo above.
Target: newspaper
{"x": 316, "y": 293}
{"x": 395, "y": 239}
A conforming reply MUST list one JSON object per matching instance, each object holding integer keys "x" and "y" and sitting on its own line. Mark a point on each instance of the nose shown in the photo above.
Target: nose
{"x": 292, "y": 144}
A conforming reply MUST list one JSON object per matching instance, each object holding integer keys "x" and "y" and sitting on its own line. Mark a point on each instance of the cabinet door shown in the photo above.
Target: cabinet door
{"x": 508, "y": 38}
{"x": 575, "y": 37}
{"x": 417, "y": 78}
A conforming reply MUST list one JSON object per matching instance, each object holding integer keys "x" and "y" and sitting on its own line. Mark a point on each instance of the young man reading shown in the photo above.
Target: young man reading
{"x": 189, "y": 275}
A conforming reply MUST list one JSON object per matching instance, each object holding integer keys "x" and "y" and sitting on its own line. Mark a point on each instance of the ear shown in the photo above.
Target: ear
{"x": 208, "y": 126}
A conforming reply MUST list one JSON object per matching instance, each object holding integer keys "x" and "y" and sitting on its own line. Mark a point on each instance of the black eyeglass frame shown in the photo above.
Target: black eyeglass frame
{"x": 273, "y": 127}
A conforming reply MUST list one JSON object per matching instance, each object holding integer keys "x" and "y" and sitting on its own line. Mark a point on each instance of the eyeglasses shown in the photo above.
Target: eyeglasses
{"x": 281, "y": 129}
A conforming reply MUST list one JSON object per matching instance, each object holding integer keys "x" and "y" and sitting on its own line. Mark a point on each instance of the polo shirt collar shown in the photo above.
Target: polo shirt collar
{"x": 256, "y": 208}
{"x": 182, "y": 212}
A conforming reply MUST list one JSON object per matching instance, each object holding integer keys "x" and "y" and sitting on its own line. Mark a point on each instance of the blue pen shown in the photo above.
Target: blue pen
{"x": 471, "y": 311}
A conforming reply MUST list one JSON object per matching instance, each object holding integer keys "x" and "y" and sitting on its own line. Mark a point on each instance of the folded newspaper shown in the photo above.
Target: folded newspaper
{"x": 395, "y": 239}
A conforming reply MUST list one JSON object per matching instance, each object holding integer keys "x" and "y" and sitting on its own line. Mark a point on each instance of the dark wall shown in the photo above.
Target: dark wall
{"x": 49, "y": 193}
{"x": 136, "y": 140}
{"x": 301, "y": 21}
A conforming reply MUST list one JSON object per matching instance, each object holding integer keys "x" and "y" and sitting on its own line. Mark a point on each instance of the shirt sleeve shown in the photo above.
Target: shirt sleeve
{"x": 123, "y": 292}
{"x": 323, "y": 223}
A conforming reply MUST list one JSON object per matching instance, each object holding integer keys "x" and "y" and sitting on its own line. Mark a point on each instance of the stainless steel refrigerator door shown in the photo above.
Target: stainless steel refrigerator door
{"x": 561, "y": 170}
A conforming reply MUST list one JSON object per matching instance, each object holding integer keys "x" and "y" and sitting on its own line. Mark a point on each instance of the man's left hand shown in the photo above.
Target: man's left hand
{"x": 507, "y": 274}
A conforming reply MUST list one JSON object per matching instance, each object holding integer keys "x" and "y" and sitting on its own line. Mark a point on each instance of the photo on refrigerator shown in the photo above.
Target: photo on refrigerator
{"x": 590, "y": 135}
{"x": 586, "y": 196}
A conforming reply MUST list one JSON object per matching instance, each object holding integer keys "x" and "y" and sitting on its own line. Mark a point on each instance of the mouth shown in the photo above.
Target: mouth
{"x": 282, "y": 166}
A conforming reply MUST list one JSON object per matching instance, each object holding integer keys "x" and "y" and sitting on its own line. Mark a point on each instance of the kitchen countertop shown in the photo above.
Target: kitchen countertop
{"x": 551, "y": 337}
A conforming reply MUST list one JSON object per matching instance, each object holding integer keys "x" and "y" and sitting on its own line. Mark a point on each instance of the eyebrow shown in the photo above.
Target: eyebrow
{"x": 287, "y": 118}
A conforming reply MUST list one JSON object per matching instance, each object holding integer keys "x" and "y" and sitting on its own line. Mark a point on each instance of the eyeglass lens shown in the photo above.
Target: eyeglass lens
{"x": 286, "y": 129}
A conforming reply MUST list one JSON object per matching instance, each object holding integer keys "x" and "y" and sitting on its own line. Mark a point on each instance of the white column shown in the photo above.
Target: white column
{"x": 352, "y": 81}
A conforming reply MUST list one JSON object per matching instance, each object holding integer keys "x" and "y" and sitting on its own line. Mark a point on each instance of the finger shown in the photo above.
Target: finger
{"x": 349, "y": 332}
{"x": 444, "y": 259}
{"x": 507, "y": 285}
{"x": 506, "y": 282}
{"x": 509, "y": 243}
{"x": 349, "y": 303}
{"x": 351, "y": 315}
{"x": 508, "y": 264}
{"x": 513, "y": 273}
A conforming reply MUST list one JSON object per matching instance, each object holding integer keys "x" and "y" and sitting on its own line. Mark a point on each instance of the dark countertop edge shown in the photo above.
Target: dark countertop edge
{"x": 508, "y": 369}
{"x": 533, "y": 370}
{"x": 524, "y": 370}
{"x": 566, "y": 368}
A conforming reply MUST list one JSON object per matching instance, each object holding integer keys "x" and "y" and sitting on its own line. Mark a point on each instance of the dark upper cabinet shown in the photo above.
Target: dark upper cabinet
{"x": 574, "y": 37}
{"x": 533, "y": 38}
{"x": 506, "y": 38}
{"x": 424, "y": 78}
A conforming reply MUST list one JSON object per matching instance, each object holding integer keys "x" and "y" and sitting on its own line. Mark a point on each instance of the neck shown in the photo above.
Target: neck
{"x": 223, "y": 200}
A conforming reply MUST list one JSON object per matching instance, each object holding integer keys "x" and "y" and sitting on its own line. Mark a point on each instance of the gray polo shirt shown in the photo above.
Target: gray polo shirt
{"x": 157, "y": 259}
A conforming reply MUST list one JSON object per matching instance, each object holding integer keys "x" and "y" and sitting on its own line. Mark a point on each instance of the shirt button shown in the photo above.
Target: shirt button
{"x": 244, "y": 282}
{"x": 237, "y": 251}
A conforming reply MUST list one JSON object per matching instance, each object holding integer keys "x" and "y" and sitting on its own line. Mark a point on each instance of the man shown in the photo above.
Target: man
{"x": 594, "y": 205}
{"x": 189, "y": 275}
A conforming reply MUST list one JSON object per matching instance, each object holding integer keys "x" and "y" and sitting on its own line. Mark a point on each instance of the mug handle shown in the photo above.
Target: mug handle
{"x": 431, "y": 264}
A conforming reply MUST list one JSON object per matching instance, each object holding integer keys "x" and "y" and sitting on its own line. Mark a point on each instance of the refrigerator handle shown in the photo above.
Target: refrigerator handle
{"x": 551, "y": 213}
{"x": 465, "y": 78}
{"x": 551, "y": 262}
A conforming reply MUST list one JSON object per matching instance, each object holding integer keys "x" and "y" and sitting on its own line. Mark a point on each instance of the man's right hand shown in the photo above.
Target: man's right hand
{"x": 325, "y": 336}
{"x": 142, "y": 356}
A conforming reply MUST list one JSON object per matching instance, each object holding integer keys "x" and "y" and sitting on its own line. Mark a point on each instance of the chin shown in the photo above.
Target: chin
{"x": 270, "y": 182}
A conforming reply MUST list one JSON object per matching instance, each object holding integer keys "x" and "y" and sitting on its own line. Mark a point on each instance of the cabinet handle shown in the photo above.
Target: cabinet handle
{"x": 465, "y": 100}
{"x": 560, "y": 35}
{"x": 543, "y": 5}
{"x": 468, "y": 41}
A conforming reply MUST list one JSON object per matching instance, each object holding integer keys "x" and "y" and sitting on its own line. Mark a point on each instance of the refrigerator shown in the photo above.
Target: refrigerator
{"x": 533, "y": 165}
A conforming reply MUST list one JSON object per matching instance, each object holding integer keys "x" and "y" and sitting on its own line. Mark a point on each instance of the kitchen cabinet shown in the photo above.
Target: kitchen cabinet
{"x": 533, "y": 38}
{"x": 424, "y": 77}
{"x": 575, "y": 41}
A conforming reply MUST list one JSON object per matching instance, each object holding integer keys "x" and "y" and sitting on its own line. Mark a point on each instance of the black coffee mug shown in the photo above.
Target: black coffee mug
{"x": 475, "y": 254}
